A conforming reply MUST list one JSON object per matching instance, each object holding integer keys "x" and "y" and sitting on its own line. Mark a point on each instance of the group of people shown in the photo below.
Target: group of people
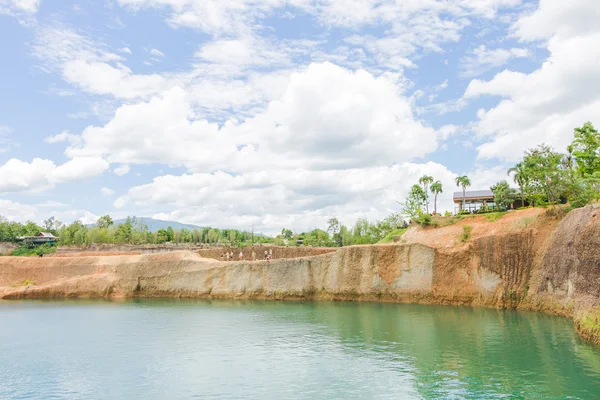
{"x": 228, "y": 255}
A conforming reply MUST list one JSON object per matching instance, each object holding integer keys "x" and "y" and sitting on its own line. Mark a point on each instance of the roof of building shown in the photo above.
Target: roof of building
{"x": 473, "y": 194}
{"x": 46, "y": 234}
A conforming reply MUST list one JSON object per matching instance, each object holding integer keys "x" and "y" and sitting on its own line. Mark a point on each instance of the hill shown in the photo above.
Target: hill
{"x": 156, "y": 224}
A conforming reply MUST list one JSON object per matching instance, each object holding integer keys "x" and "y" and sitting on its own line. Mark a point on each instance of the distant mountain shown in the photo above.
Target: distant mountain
{"x": 156, "y": 224}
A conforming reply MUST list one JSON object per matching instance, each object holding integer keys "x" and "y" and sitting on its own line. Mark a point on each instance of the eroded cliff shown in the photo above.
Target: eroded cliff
{"x": 526, "y": 260}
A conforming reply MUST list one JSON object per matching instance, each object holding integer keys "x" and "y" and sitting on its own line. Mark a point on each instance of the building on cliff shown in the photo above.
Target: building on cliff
{"x": 476, "y": 200}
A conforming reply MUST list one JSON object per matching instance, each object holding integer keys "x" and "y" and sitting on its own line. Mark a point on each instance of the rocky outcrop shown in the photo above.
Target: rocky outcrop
{"x": 545, "y": 264}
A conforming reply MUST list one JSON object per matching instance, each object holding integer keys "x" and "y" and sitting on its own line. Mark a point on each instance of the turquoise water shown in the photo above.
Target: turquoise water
{"x": 168, "y": 349}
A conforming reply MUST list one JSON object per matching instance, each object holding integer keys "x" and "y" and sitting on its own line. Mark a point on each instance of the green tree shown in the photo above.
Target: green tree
{"x": 546, "y": 172}
{"x": 436, "y": 189}
{"x": 104, "y": 222}
{"x": 412, "y": 207}
{"x": 170, "y": 234}
{"x": 426, "y": 180}
{"x": 124, "y": 233}
{"x": 464, "y": 182}
{"x": 212, "y": 236}
{"x": 286, "y": 233}
{"x": 504, "y": 195}
{"x": 586, "y": 146}
{"x": 520, "y": 177}
{"x": 52, "y": 225}
{"x": 162, "y": 236}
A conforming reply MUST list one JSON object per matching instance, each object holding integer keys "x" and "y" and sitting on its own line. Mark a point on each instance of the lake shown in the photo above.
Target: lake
{"x": 200, "y": 349}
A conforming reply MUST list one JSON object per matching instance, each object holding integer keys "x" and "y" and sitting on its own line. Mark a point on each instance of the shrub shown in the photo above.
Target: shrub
{"x": 466, "y": 233}
{"x": 28, "y": 282}
{"x": 28, "y": 251}
{"x": 423, "y": 219}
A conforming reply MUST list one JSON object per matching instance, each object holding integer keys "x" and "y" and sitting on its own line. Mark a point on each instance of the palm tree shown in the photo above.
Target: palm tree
{"x": 520, "y": 178}
{"x": 464, "y": 182}
{"x": 436, "y": 188}
{"x": 425, "y": 180}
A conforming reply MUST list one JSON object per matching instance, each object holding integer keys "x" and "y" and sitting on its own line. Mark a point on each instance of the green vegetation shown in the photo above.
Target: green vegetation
{"x": 466, "y": 233}
{"x": 29, "y": 251}
{"x": 389, "y": 238}
{"x": 547, "y": 177}
{"x": 27, "y": 282}
{"x": 504, "y": 195}
{"x": 494, "y": 216}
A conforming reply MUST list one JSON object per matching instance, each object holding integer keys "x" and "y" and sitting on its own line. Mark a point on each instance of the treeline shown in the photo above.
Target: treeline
{"x": 547, "y": 177}
{"x": 338, "y": 234}
{"x": 134, "y": 231}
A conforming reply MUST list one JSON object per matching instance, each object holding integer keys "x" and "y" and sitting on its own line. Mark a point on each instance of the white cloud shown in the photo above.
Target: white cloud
{"x": 122, "y": 170}
{"x": 79, "y": 168}
{"x": 21, "y": 212}
{"x": 126, "y": 50}
{"x": 11, "y": 6}
{"x": 90, "y": 66}
{"x": 41, "y": 174}
{"x": 17, "y": 212}
{"x": 261, "y": 197}
{"x": 156, "y": 52}
{"x": 107, "y": 191}
{"x": 546, "y": 104}
{"x": 324, "y": 109}
{"x": 562, "y": 19}
{"x": 62, "y": 137}
{"x": 483, "y": 59}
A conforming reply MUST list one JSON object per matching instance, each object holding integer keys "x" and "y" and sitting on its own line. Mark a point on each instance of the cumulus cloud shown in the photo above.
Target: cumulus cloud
{"x": 107, "y": 191}
{"x": 546, "y": 104}
{"x": 122, "y": 170}
{"x": 13, "y": 6}
{"x": 89, "y": 65}
{"x": 483, "y": 59}
{"x": 262, "y": 197}
{"x": 40, "y": 174}
{"x": 324, "y": 109}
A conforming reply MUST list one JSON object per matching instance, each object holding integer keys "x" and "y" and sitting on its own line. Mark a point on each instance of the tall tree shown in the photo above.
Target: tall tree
{"x": 503, "y": 194}
{"x": 586, "y": 146}
{"x": 426, "y": 180}
{"x": 412, "y": 207}
{"x": 104, "y": 221}
{"x": 464, "y": 182}
{"x": 436, "y": 188}
{"x": 520, "y": 178}
{"x": 546, "y": 171}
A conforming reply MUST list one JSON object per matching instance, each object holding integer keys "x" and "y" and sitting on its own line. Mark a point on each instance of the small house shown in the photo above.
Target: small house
{"x": 39, "y": 239}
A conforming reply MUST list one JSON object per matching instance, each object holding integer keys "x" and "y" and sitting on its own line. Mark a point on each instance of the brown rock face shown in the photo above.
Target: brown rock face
{"x": 526, "y": 260}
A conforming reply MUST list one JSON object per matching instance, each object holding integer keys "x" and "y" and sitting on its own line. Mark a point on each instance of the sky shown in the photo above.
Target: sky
{"x": 279, "y": 113}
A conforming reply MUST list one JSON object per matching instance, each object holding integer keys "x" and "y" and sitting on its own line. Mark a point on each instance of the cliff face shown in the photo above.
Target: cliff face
{"x": 538, "y": 264}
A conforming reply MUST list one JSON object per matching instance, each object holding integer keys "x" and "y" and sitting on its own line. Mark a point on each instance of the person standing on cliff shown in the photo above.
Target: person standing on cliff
{"x": 266, "y": 255}
{"x": 241, "y": 255}
{"x": 253, "y": 256}
{"x": 270, "y": 254}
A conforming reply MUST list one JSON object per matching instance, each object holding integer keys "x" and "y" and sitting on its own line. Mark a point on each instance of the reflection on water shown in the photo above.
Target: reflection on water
{"x": 156, "y": 349}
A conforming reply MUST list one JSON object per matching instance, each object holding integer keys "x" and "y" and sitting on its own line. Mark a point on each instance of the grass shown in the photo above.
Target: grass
{"x": 390, "y": 237}
{"x": 466, "y": 233}
{"x": 495, "y": 216}
{"x": 28, "y": 282}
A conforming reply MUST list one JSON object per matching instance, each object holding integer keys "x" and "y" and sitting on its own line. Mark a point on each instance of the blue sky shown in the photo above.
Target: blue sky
{"x": 279, "y": 113}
